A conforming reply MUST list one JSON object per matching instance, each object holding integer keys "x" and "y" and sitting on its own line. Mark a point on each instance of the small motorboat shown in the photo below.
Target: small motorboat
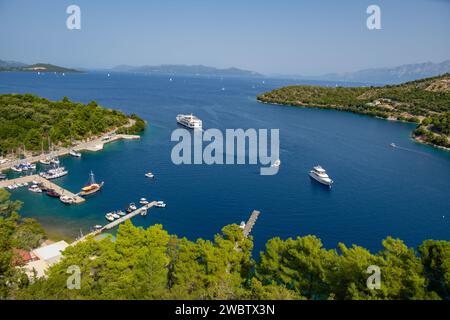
{"x": 131, "y": 207}
{"x": 66, "y": 200}
{"x": 2, "y": 176}
{"x": 160, "y": 204}
{"x": 98, "y": 227}
{"x": 143, "y": 201}
{"x": 393, "y": 145}
{"x": 276, "y": 164}
{"x": 121, "y": 213}
{"x": 242, "y": 225}
{"x": 35, "y": 188}
{"x": 46, "y": 162}
{"x": 75, "y": 154}
{"x": 52, "y": 193}
{"x": 149, "y": 175}
{"x": 115, "y": 215}
{"x": 55, "y": 161}
{"x": 144, "y": 212}
{"x": 109, "y": 216}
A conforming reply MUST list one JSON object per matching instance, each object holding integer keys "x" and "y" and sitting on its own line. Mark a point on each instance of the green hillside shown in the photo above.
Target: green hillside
{"x": 425, "y": 100}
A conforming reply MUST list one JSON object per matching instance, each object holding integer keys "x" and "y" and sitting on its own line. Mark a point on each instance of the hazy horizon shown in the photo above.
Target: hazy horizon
{"x": 278, "y": 37}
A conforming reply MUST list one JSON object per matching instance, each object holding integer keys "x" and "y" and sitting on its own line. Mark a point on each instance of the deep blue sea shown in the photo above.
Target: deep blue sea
{"x": 378, "y": 191}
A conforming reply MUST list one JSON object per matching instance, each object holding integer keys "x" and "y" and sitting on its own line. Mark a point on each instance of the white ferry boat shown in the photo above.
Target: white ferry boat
{"x": 190, "y": 121}
{"x": 320, "y": 175}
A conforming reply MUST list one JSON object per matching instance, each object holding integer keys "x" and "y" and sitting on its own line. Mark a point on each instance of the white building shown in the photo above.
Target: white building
{"x": 47, "y": 256}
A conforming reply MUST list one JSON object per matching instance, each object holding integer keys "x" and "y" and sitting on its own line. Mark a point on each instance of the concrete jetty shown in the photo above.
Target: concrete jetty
{"x": 46, "y": 183}
{"x": 115, "y": 223}
{"x": 251, "y": 222}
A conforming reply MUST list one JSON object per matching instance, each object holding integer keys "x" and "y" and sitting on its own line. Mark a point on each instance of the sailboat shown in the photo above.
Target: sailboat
{"x": 91, "y": 187}
{"x": 47, "y": 159}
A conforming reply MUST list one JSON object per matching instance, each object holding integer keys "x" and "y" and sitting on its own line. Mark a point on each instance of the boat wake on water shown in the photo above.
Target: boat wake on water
{"x": 394, "y": 146}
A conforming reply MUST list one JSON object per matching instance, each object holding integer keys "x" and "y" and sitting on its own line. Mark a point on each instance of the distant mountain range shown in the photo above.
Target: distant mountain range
{"x": 37, "y": 67}
{"x": 170, "y": 69}
{"x": 394, "y": 75}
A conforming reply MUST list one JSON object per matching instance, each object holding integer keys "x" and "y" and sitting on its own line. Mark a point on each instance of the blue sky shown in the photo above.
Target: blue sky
{"x": 269, "y": 36}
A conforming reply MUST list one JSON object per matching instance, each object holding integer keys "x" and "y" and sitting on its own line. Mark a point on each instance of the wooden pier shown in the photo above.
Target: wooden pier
{"x": 46, "y": 183}
{"x": 251, "y": 222}
{"x": 115, "y": 223}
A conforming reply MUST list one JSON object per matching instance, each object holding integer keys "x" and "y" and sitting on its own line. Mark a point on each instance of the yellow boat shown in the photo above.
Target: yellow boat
{"x": 92, "y": 186}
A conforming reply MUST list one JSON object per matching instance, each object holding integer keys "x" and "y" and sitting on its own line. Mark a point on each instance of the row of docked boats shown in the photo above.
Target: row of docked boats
{"x": 54, "y": 173}
{"x": 114, "y": 215}
{"x": 21, "y": 167}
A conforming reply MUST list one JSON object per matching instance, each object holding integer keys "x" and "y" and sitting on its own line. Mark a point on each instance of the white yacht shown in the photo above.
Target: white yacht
{"x": 109, "y": 217}
{"x": 143, "y": 201}
{"x": 189, "y": 121}
{"x": 74, "y": 153}
{"x": 35, "y": 188}
{"x": 319, "y": 174}
{"x": 149, "y": 175}
{"x": 46, "y": 161}
{"x": 160, "y": 204}
{"x": 66, "y": 199}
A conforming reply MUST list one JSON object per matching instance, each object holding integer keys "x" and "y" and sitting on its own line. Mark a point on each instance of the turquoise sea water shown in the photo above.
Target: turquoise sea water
{"x": 378, "y": 191}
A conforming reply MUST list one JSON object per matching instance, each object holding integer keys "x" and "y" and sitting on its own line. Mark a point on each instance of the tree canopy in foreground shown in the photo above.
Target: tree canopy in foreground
{"x": 152, "y": 264}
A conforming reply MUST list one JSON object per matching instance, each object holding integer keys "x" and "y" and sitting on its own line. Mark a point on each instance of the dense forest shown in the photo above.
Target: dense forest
{"x": 412, "y": 101}
{"x": 30, "y": 122}
{"x": 152, "y": 264}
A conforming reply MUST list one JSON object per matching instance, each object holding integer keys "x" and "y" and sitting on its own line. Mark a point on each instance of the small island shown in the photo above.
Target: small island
{"x": 425, "y": 102}
{"x": 37, "y": 67}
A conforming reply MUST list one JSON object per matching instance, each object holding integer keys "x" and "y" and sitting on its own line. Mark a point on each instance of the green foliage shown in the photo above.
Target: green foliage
{"x": 436, "y": 261}
{"x": 27, "y": 120}
{"x": 151, "y": 264}
{"x": 136, "y": 128}
{"x": 15, "y": 233}
{"x": 406, "y": 102}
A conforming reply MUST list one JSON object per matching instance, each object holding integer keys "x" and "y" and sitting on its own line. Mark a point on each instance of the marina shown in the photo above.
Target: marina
{"x": 44, "y": 182}
{"x": 98, "y": 229}
{"x": 93, "y": 146}
{"x": 372, "y": 196}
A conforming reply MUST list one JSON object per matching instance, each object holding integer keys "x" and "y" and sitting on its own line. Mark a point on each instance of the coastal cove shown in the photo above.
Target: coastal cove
{"x": 379, "y": 191}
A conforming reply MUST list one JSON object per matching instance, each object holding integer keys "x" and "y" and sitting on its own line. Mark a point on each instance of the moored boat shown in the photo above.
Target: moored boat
{"x": 52, "y": 193}
{"x": 54, "y": 173}
{"x": 143, "y": 201}
{"x": 91, "y": 187}
{"x": 35, "y": 188}
{"x": 66, "y": 199}
{"x": 109, "y": 217}
{"x": 131, "y": 207}
{"x": 46, "y": 161}
{"x": 160, "y": 204}
{"x": 74, "y": 153}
